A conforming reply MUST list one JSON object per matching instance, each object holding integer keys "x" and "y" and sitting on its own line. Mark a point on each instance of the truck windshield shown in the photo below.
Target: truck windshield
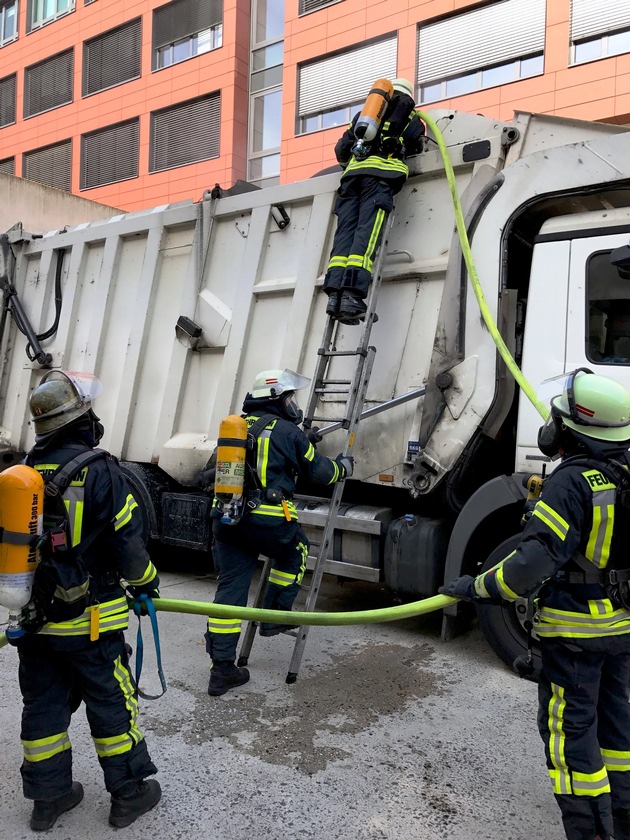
{"x": 608, "y": 327}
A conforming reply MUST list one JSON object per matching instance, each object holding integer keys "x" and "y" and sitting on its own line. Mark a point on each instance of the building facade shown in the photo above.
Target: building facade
{"x": 136, "y": 103}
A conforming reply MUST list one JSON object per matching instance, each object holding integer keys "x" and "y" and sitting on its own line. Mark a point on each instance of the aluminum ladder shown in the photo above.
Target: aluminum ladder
{"x": 356, "y": 390}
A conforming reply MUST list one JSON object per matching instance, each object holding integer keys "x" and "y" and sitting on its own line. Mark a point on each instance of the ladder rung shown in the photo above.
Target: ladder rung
{"x": 343, "y": 420}
{"x": 323, "y": 352}
{"x": 332, "y": 390}
{"x": 335, "y": 382}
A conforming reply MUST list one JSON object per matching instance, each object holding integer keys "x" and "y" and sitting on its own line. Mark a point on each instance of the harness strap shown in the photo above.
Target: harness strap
{"x": 138, "y": 604}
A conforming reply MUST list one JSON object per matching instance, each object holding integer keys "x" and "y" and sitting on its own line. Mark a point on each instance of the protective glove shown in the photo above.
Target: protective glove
{"x": 461, "y": 587}
{"x": 136, "y": 591}
{"x": 345, "y": 464}
{"x": 314, "y": 436}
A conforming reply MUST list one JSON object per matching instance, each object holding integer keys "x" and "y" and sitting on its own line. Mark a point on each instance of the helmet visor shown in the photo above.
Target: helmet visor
{"x": 87, "y": 386}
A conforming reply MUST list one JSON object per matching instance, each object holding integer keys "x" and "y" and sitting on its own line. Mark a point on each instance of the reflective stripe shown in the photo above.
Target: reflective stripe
{"x": 124, "y": 515}
{"x": 263, "y": 455}
{"x": 496, "y": 571}
{"x": 368, "y": 260}
{"x": 43, "y": 748}
{"x": 553, "y": 520}
{"x": 147, "y": 577}
{"x": 590, "y": 784}
{"x": 281, "y": 578}
{"x": 588, "y": 620}
{"x": 374, "y": 162}
{"x": 224, "y": 625}
{"x": 600, "y": 538}
{"x": 616, "y": 760}
{"x": 123, "y": 677}
{"x": 504, "y": 590}
{"x": 335, "y": 475}
{"x": 310, "y": 453}
{"x": 355, "y": 261}
{"x": 72, "y": 595}
{"x": 555, "y": 723}
{"x": 113, "y": 615}
{"x": 116, "y": 745}
{"x": 276, "y": 510}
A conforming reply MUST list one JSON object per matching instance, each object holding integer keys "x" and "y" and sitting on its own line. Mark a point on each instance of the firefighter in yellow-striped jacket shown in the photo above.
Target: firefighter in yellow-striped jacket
{"x": 574, "y": 556}
{"x": 282, "y": 455}
{"x": 366, "y": 198}
{"x": 86, "y": 658}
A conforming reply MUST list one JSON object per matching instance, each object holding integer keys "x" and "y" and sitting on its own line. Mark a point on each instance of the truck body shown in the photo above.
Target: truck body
{"x": 178, "y": 307}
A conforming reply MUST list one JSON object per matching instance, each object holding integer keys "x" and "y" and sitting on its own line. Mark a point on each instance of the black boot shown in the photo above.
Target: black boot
{"x": 276, "y": 629}
{"x": 352, "y": 309}
{"x": 133, "y": 800}
{"x": 332, "y": 308}
{"x": 45, "y": 812}
{"x": 224, "y": 676}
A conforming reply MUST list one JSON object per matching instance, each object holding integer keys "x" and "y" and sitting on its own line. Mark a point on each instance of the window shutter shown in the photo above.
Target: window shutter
{"x": 110, "y": 154}
{"x": 112, "y": 58}
{"x": 597, "y": 17}
{"x": 51, "y": 166}
{"x": 182, "y": 18}
{"x": 7, "y": 100}
{"x": 48, "y": 84}
{"x": 471, "y": 40}
{"x": 8, "y": 166}
{"x": 186, "y": 133}
{"x": 345, "y": 78}
{"x": 313, "y": 5}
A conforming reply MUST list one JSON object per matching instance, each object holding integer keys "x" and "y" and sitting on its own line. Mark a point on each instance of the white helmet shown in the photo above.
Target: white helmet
{"x": 403, "y": 86}
{"x": 273, "y": 383}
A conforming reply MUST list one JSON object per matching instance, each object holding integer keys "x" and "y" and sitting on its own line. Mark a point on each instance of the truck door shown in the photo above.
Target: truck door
{"x": 598, "y": 323}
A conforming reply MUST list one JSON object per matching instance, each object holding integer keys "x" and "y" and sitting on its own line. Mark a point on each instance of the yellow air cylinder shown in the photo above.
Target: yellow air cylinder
{"x": 231, "y": 452}
{"x": 21, "y": 509}
{"x": 371, "y": 116}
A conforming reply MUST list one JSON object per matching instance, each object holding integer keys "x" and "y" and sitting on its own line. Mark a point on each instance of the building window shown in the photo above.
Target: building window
{"x": 330, "y": 90}
{"x": 110, "y": 154}
{"x": 8, "y": 22}
{"x": 608, "y": 337}
{"x": 8, "y": 166}
{"x": 306, "y": 6}
{"x": 185, "y": 28}
{"x": 267, "y": 67}
{"x": 461, "y": 54}
{"x": 112, "y": 58}
{"x": 599, "y": 29}
{"x": 51, "y": 165}
{"x": 41, "y": 12}
{"x": 185, "y": 133}
{"x": 7, "y": 100}
{"x": 48, "y": 84}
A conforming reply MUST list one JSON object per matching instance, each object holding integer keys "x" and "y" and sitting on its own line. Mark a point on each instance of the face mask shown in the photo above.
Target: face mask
{"x": 291, "y": 409}
{"x": 98, "y": 429}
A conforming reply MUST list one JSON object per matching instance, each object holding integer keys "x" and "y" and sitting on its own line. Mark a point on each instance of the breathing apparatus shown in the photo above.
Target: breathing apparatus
{"x": 369, "y": 122}
{"x": 230, "y": 470}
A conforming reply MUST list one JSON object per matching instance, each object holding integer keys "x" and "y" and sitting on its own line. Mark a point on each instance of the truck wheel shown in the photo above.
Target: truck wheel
{"x": 502, "y": 626}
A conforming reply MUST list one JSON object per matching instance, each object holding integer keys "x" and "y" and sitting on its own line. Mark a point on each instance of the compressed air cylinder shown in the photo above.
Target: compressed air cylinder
{"x": 231, "y": 452}
{"x": 371, "y": 116}
{"x": 21, "y": 509}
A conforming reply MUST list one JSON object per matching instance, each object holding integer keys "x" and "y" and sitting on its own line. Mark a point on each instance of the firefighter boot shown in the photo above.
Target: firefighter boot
{"x": 352, "y": 308}
{"x": 276, "y": 629}
{"x": 332, "y": 307}
{"x": 224, "y": 676}
{"x": 45, "y": 812}
{"x": 133, "y": 800}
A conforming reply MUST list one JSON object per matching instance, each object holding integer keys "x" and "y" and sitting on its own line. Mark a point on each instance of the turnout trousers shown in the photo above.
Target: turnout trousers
{"x": 55, "y": 675}
{"x": 236, "y": 549}
{"x": 362, "y": 207}
{"x": 584, "y": 721}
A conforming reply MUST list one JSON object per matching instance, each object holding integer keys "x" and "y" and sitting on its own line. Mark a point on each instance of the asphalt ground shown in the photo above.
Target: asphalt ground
{"x": 387, "y": 733}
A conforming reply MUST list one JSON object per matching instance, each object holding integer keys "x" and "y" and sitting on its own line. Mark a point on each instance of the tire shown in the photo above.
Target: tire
{"x": 501, "y": 625}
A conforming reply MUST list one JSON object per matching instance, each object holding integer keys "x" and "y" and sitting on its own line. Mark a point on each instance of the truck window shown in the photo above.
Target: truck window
{"x": 608, "y": 327}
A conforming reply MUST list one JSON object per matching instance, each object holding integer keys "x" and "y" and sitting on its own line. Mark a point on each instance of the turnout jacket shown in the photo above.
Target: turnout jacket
{"x": 382, "y": 163}
{"x": 283, "y": 456}
{"x": 100, "y": 496}
{"x": 574, "y": 518}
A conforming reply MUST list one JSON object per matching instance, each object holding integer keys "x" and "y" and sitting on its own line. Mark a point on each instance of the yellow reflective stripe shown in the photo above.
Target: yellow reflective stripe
{"x": 335, "y": 474}
{"x": 43, "y": 748}
{"x": 74, "y": 508}
{"x": 616, "y": 760}
{"x": 303, "y": 548}
{"x": 263, "y": 456}
{"x": 601, "y": 607}
{"x": 123, "y": 677}
{"x": 384, "y": 164}
{"x": 504, "y": 589}
{"x": 337, "y": 262}
{"x": 46, "y": 467}
{"x": 552, "y": 519}
{"x": 72, "y": 595}
{"x": 310, "y": 453}
{"x": 113, "y": 615}
{"x": 276, "y": 510}
{"x": 555, "y": 723}
{"x": 590, "y": 784}
{"x": 371, "y": 248}
{"x": 116, "y": 745}
{"x": 224, "y": 625}
{"x": 124, "y": 514}
{"x": 355, "y": 261}
{"x": 600, "y": 538}
{"x": 149, "y": 574}
{"x": 596, "y": 618}
{"x": 281, "y": 578}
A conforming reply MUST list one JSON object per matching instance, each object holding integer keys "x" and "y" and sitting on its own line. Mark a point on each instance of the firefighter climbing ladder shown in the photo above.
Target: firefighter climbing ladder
{"x": 355, "y": 389}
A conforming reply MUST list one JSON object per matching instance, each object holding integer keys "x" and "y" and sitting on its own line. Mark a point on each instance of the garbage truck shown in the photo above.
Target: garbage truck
{"x": 176, "y": 308}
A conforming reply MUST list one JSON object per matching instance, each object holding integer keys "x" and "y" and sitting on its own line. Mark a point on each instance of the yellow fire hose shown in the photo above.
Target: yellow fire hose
{"x": 426, "y": 605}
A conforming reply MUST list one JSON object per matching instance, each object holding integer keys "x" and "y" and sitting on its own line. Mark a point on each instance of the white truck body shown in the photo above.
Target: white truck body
{"x": 540, "y": 195}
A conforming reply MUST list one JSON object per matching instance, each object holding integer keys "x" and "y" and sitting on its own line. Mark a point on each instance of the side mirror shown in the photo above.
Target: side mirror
{"x": 620, "y": 257}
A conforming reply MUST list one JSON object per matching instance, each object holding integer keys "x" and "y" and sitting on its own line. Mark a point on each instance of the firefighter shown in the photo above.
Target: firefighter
{"x": 365, "y": 198}
{"x": 283, "y": 454}
{"x": 573, "y": 555}
{"x": 61, "y": 665}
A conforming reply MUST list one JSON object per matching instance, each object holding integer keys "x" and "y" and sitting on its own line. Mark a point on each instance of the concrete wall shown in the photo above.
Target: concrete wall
{"x": 41, "y": 208}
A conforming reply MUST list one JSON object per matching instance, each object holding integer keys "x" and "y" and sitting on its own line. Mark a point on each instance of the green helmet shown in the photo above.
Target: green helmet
{"x": 594, "y": 406}
{"x": 60, "y": 398}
